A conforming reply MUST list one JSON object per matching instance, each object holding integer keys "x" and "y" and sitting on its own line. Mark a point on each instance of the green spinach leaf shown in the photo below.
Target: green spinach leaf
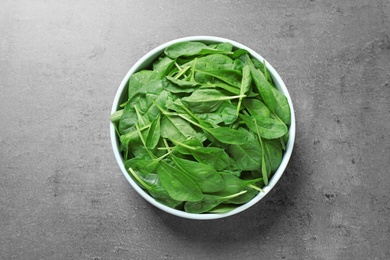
{"x": 177, "y": 184}
{"x": 190, "y": 49}
{"x": 269, "y": 128}
{"x": 204, "y": 175}
{"x": 247, "y": 155}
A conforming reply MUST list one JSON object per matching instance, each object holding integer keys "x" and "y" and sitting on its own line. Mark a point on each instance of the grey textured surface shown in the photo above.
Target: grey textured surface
{"x": 62, "y": 196}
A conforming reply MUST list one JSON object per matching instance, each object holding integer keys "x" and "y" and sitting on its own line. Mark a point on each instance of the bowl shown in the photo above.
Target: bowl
{"x": 121, "y": 96}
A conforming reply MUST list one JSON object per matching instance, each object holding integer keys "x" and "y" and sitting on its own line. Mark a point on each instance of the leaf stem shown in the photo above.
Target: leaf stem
{"x": 235, "y": 195}
{"x": 242, "y": 88}
{"x": 178, "y": 66}
{"x": 140, "y": 119}
{"x": 165, "y": 155}
{"x": 116, "y": 116}
{"x": 135, "y": 175}
{"x": 181, "y": 71}
{"x": 255, "y": 187}
{"x": 166, "y": 113}
{"x": 143, "y": 142}
{"x": 193, "y": 122}
{"x": 166, "y": 145}
{"x": 181, "y": 144}
{"x": 117, "y": 130}
{"x": 246, "y": 113}
{"x": 265, "y": 69}
{"x": 189, "y": 112}
{"x": 135, "y": 132}
{"x": 238, "y": 106}
{"x": 193, "y": 69}
{"x": 263, "y": 166}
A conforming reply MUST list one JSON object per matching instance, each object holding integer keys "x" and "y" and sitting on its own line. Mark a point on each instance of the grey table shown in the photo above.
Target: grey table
{"x": 62, "y": 195}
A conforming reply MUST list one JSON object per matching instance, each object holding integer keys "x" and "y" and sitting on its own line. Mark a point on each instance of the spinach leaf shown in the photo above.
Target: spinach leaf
{"x": 214, "y": 156}
{"x": 127, "y": 120}
{"x": 272, "y": 97}
{"x": 190, "y": 49}
{"x": 229, "y": 135}
{"x": 163, "y": 66}
{"x": 275, "y": 153}
{"x": 225, "y": 114}
{"x": 208, "y": 202}
{"x": 269, "y": 128}
{"x": 245, "y": 85}
{"x": 263, "y": 68}
{"x": 147, "y": 105}
{"x": 283, "y": 140}
{"x": 204, "y": 175}
{"x": 256, "y": 107}
{"x": 177, "y": 184}
{"x": 216, "y": 83}
{"x": 206, "y": 100}
{"x": 222, "y": 208}
{"x": 234, "y": 184}
{"x": 245, "y": 197}
{"x": 214, "y": 62}
{"x": 231, "y": 77}
{"x": 153, "y": 135}
{"x": 142, "y": 165}
{"x": 139, "y": 81}
{"x": 143, "y": 98}
{"x": 116, "y": 116}
{"x": 224, "y": 135}
{"x": 239, "y": 52}
{"x": 142, "y": 171}
{"x": 168, "y": 85}
{"x": 263, "y": 86}
{"x": 186, "y": 146}
{"x": 217, "y": 157}
{"x": 176, "y": 128}
{"x": 132, "y": 144}
{"x": 265, "y": 171}
{"x": 183, "y": 83}
{"x": 225, "y": 46}
{"x": 247, "y": 155}
{"x": 283, "y": 108}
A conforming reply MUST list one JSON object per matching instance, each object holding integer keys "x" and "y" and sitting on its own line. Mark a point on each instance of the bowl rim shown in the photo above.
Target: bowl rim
{"x": 151, "y": 55}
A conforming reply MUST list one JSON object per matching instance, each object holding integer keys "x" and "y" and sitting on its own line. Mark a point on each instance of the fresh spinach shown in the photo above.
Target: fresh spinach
{"x": 203, "y": 128}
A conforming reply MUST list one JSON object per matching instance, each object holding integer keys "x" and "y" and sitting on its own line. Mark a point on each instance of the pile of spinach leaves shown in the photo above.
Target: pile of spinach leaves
{"x": 204, "y": 128}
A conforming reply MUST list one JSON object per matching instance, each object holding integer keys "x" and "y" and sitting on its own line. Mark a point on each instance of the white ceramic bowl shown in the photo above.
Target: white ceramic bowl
{"x": 121, "y": 95}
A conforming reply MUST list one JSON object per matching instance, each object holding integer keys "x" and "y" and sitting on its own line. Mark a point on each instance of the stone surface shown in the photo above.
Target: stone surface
{"x": 62, "y": 196}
